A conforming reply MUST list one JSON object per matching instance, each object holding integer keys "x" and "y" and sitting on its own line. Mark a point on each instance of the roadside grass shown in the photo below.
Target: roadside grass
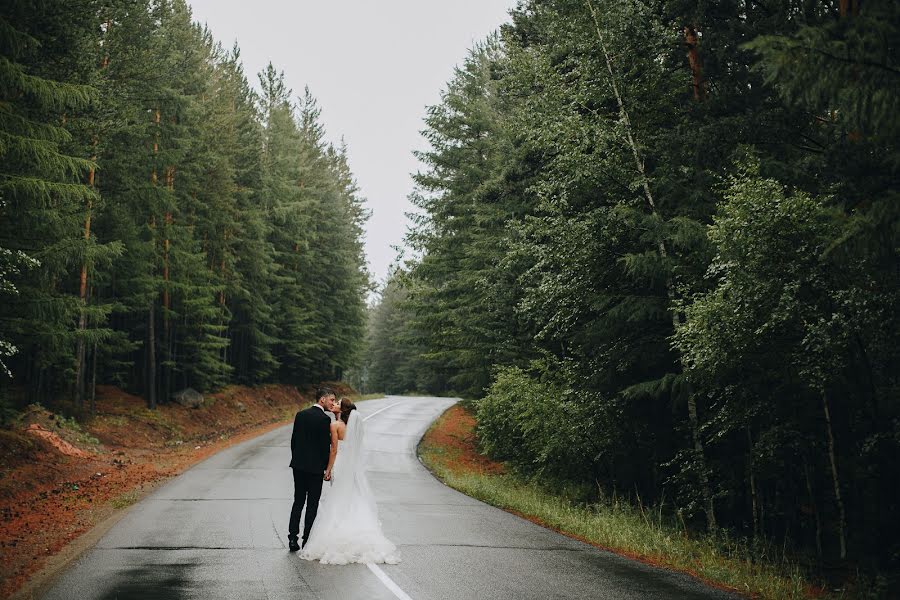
{"x": 157, "y": 419}
{"x": 76, "y": 431}
{"x": 124, "y": 500}
{"x": 638, "y": 533}
{"x": 364, "y": 397}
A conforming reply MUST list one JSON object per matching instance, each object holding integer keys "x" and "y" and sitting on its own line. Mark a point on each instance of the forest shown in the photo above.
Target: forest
{"x": 162, "y": 224}
{"x": 656, "y": 247}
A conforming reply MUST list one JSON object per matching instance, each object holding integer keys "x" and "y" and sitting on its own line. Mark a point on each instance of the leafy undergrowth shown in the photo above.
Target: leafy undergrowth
{"x": 50, "y": 494}
{"x": 449, "y": 450}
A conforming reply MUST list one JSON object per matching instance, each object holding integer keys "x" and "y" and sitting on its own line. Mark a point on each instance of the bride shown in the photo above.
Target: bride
{"x": 347, "y": 529}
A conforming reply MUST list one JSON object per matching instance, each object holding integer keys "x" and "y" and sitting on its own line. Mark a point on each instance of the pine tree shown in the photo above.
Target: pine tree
{"x": 179, "y": 230}
{"x": 467, "y": 204}
{"x": 563, "y": 246}
{"x": 288, "y": 212}
{"x": 46, "y": 190}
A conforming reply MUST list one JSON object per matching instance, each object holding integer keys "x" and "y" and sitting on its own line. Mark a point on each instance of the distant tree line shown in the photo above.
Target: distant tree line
{"x": 162, "y": 224}
{"x": 658, "y": 243}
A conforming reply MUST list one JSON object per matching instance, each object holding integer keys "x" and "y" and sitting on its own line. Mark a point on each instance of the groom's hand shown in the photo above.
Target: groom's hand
{"x": 328, "y": 475}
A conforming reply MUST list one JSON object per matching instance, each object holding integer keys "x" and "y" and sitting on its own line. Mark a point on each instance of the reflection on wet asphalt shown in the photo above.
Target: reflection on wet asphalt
{"x": 159, "y": 582}
{"x": 219, "y": 531}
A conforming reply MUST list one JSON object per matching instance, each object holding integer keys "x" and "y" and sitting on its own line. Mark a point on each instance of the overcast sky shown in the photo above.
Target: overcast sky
{"x": 373, "y": 65}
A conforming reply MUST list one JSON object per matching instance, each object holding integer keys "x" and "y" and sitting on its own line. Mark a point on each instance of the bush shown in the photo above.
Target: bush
{"x": 537, "y": 424}
{"x": 497, "y": 413}
{"x": 8, "y": 412}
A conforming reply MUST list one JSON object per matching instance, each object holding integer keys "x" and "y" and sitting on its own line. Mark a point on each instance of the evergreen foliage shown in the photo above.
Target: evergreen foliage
{"x": 657, "y": 244}
{"x": 164, "y": 226}
{"x": 395, "y": 361}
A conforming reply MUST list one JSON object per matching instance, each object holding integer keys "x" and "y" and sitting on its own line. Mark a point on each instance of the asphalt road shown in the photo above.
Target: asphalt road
{"x": 219, "y": 531}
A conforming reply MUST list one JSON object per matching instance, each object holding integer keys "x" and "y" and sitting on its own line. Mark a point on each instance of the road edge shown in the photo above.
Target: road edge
{"x": 55, "y": 565}
{"x": 540, "y": 523}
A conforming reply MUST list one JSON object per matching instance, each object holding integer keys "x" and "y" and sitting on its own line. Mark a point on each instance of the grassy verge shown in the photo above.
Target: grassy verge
{"x": 448, "y": 449}
{"x": 124, "y": 500}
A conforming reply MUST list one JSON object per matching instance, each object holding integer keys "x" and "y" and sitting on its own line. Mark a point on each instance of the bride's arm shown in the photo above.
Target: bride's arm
{"x": 334, "y": 448}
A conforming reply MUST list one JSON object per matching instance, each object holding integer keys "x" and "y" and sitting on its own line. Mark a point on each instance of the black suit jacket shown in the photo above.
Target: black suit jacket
{"x": 311, "y": 440}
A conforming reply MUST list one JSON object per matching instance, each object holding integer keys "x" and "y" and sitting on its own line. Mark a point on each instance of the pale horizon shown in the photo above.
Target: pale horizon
{"x": 373, "y": 68}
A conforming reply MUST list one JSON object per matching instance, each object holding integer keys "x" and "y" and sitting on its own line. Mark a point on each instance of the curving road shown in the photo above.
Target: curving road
{"x": 218, "y": 531}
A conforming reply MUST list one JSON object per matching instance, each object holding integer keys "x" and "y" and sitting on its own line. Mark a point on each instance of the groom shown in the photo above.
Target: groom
{"x": 310, "y": 449}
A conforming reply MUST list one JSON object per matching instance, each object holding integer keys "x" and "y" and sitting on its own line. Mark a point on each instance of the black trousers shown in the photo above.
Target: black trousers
{"x": 308, "y": 490}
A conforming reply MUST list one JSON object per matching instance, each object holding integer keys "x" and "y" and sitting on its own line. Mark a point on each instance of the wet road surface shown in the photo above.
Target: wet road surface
{"x": 219, "y": 530}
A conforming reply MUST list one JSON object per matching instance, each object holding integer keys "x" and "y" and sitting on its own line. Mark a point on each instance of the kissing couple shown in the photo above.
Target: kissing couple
{"x": 346, "y": 530}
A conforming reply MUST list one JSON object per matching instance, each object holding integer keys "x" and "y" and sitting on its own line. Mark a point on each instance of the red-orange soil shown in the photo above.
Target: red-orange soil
{"x": 453, "y": 435}
{"x": 57, "y": 482}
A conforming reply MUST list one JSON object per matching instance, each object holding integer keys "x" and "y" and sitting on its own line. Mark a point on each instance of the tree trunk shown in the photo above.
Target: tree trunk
{"x": 80, "y": 358}
{"x": 167, "y": 223}
{"x": 168, "y": 342}
{"x": 39, "y": 385}
{"x": 692, "y": 40}
{"x": 849, "y": 8}
{"x": 815, "y": 508}
{"x": 762, "y": 513}
{"x": 704, "y": 476}
{"x": 80, "y": 352}
{"x": 156, "y": 116}
{"x": 754, "y": 501}
{"x": 166, "y": 300}
{"x": 94, "y": 381}
{"x": 670, "y": 286}
{"x": 151, "y": 325}
{"x": 82, "y": 318}
{"x": 166, "y": 305}
{"x": 842, "y": 517}
{"x": 104, "y": 62}
{"x": 151, "y": 359}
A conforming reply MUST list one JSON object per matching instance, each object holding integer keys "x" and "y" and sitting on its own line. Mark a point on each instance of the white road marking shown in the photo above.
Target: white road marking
{"x": 380, "y": 410}
{"x": 388, "y": 582}
{"x": 381, "y": 575}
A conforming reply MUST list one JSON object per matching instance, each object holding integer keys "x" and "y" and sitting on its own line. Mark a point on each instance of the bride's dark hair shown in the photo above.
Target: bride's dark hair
{"x": 346, "y": 408}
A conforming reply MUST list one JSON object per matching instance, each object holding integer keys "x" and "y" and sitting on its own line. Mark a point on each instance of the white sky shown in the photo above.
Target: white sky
{"x": 373, "y": 65}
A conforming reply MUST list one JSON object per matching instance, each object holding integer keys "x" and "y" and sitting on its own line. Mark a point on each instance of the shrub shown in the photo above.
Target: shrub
{"x": 536, "y": 423}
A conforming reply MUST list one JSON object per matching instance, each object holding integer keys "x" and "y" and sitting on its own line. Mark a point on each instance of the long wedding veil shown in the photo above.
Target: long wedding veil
{"x": 365, "y": 507}
{"x": 353, "y": 442}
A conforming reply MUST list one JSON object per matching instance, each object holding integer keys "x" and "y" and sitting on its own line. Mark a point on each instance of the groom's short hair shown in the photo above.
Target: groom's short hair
{"x": 322, "y": 392}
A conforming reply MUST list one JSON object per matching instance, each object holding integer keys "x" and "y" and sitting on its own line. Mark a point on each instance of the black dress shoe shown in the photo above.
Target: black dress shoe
{"x": 293, "y": 546}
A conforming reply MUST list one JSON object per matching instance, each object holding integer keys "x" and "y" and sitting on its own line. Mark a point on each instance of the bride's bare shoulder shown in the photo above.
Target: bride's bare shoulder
{"x": 340, "y": 427}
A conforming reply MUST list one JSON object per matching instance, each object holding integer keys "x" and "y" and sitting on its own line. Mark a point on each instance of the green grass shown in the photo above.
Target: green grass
{"x": 123, "y": 501}
{"x": 75, "y": 431}
{"x": 364, "y": 397}
{"x": 623, "y": 528}
{"x": 156, "y": 419}
{"x": 114, "y": 420}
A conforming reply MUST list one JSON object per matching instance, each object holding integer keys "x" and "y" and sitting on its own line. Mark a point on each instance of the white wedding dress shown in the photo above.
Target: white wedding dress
{"x": 346, "y": 529}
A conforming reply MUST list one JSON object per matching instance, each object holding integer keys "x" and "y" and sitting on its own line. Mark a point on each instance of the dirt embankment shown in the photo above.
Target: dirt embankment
{"x": 451, "y": 444}
{"x": 59, "y": 478}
